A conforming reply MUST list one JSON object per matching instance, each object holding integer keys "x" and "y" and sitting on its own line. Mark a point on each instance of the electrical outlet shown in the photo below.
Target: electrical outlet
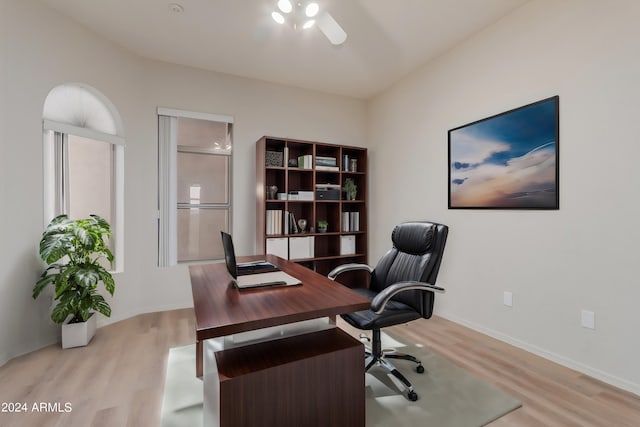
{"x": 588, "y": 319}
{"x": 507, "y": 299}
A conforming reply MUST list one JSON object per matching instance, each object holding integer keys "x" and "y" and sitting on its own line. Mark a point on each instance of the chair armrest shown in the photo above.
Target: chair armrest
{"x": 380, "y": 301}
{"x": 348, "y": 267}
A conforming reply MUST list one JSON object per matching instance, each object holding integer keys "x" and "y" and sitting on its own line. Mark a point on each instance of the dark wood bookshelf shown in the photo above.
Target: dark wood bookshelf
{"x": 273, "y": 168}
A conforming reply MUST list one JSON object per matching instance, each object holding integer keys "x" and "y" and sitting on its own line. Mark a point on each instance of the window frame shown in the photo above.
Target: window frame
{"x": 55, "y": 134}
{"x": 168, "y": 205}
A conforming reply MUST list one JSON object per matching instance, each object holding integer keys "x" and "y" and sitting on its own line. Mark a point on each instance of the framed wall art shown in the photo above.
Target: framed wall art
{"x": 507, "y": 161}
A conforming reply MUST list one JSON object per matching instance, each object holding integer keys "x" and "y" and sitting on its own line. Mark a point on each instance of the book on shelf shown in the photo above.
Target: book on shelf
{"x": 287, "y": 222}
{"x": 305, "y": 161}
{"x": 293, "y": 224}
{"x": 354, "y": 219}
{"x": 326, "y": 161}
{"x": 327, "y": 168}
{"x": 350, "y": 221}
{"x": 273, "y": 223}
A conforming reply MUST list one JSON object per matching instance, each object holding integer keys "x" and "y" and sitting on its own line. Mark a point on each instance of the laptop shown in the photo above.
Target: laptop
{"x": 253, "y": 274}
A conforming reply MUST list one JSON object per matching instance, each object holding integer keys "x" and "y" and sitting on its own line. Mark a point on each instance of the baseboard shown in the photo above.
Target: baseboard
{"x": 561, "y": 360}
{"x": 6, "y": 357}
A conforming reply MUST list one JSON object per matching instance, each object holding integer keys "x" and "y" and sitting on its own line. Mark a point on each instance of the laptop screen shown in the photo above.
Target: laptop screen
{"x": 229, "y": 254}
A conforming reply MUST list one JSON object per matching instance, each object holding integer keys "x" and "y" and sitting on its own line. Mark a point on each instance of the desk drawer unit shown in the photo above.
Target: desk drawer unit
{"x": 314, "y": 379}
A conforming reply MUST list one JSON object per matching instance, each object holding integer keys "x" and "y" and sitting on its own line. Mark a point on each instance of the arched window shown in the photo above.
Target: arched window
{"x": 83, "y": 142}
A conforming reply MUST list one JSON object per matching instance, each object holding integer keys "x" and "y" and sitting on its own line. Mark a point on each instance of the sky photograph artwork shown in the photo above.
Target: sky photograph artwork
{"x": 508, "y": 161}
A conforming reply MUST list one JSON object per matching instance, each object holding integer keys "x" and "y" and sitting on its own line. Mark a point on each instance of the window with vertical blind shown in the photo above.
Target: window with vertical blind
{"x": 194, "y": 191}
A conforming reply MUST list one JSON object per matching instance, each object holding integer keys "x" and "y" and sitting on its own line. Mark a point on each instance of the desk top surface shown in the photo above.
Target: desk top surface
{"x": 221, "y": 309}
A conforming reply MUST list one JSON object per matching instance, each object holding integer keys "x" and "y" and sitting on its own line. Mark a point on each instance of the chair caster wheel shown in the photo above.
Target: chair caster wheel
{"x": 413, "y": 396}
{"x": 420, "y": 369}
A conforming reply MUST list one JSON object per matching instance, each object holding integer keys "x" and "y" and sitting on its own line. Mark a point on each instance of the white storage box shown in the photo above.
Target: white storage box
{"x": 347, "y": 245}
{"x": 301, "y": 247}
{"x": 278, "y": 246}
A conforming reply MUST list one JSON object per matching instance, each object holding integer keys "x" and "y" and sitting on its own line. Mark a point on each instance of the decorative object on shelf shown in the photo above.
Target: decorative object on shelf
{"x": 353, "y": 165}
{"x": 350, "y": 188}
{"x": 518, "y": 172}
{"x": 271, "y": 191}
{"x": 82, "y": 243}
{"x": 274, "y": 158}
{"x": 345, "y": 162}
{"x": 302, "y": 224}
{"x": 293, "y": 163}
{"x": 322, "y": 226}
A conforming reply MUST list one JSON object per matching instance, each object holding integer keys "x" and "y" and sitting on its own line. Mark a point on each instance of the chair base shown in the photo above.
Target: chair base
{"x": 379, "y": 357}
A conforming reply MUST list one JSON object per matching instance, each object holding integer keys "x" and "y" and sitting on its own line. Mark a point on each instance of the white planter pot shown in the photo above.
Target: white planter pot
{"x": 78, "y": 334}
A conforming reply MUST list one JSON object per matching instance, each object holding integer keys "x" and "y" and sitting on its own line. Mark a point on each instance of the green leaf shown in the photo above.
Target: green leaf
{"x": 87, "y": 277}
{"x": 54, "y": 246}
{"x": 109, "y": 283}
{"x": 66, "y": 306}
{"x": 108, "y": 254}
{"x": 42, "y": 283}
{"x": 57, "y": 225}
{"x": 65, "y": 280}
{"x": 85, "y": 238}
{"x": 99, "y": 304}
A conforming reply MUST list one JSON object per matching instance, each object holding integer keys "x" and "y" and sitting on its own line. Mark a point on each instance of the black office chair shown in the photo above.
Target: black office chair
{"x": 401, "y": 289}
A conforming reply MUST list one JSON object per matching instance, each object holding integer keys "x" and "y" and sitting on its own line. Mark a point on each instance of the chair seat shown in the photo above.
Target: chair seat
{"x": 395, "y": 313}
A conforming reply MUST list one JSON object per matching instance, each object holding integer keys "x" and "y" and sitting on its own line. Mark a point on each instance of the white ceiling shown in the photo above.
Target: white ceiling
{"x": 386, "y": 39}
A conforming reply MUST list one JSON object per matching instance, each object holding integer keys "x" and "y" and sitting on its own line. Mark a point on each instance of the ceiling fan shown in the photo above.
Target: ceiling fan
{"x": 305, "y": 14}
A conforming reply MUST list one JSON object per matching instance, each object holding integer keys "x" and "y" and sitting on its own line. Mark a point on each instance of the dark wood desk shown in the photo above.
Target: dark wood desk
{"x": 222, "y": 310}
{"x": 320, "y": 360}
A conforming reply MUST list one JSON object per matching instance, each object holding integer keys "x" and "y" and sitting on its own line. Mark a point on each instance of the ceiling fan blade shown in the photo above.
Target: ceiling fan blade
{"x": 331, "y": 29}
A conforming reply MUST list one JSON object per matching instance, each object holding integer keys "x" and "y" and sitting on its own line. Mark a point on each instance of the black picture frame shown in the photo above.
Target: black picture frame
{"x": 507, "y": 161}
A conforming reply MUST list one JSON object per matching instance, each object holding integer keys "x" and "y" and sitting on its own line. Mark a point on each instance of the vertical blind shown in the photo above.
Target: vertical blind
{"x": 173, "y": 148}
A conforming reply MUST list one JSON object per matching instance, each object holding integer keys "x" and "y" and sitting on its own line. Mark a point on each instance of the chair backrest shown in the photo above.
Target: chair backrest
{"x": 416, "y": 255}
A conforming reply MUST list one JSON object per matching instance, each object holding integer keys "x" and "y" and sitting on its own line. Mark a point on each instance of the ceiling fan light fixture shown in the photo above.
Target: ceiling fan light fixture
{"x": 312, "y": 9}
{"x": 285, "y": 6}
{"x": 331, "y": 29}
{"x": 277, "y": 16}
{"x": 308, "y": 24}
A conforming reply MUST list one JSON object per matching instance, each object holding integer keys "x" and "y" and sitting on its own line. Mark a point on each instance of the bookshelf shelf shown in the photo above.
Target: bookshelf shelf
{"x": 310, "y": 177}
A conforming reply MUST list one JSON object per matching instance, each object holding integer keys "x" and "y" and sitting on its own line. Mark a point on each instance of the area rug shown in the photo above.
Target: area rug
{"x": 449, "y": 395}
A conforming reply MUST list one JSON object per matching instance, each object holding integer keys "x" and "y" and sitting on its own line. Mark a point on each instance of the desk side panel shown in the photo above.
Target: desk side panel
{"x": 311, "y": 380}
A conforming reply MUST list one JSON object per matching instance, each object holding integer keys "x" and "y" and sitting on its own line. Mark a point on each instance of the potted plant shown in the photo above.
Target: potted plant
{"x": 322, "y": 226}
{"x": 350, "y": 188}
{"x": 73, "y": 250}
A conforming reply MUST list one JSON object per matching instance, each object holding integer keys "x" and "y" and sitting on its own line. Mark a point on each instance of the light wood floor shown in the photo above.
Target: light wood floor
{"x": 118, "y": 379}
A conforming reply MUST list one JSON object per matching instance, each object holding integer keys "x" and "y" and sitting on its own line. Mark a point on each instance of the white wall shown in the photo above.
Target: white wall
{"x": 41, "y": 49}
{"x": 555, "y": 262}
